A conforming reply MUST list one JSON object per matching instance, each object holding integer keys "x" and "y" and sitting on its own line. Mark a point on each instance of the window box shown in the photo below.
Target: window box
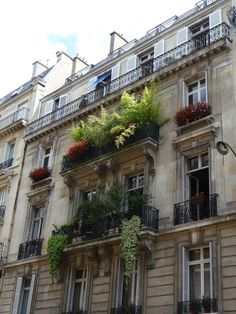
{"x": 192, "y": 113}
{"x": 39, "y": 174}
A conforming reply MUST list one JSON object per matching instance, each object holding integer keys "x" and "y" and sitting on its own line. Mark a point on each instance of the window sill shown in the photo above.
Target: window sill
{"x": 192, "y": 126}
{"x": 41, "y": 183}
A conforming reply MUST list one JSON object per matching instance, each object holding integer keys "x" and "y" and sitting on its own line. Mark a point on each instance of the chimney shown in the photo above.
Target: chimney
{"x": 117, "y": 41}
{"x": 38, "y": 68}
{"x": 78, "y": 64}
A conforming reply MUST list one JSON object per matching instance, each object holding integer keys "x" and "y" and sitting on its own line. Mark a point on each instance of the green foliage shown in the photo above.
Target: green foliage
{"x": 91, "y": 209}
{"x": 114, "y": 199}
{"x": 56, "y": 245}
{"x": 130, "y": 231}
{"x": 102, "y": 129}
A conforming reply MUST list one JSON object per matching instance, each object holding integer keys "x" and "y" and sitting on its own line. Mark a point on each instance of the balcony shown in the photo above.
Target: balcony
{"x": 2, "y": 211}
{"x": 105, "y": 225}
{"x": 189, "y": 48}
{"x": 14, "y": 120}
{"x": 132, "y": 309}
{"x": 76, "y": 312}
{"x": 198, "y": 306}
{"x": 190, "y": 210}
{"x": 6, "y": 164}
{"x": 30, "y": 248}
{"x": 149, "y": 132}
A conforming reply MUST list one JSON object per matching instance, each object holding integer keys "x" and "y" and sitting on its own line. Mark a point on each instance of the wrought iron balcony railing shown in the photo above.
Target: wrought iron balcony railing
{"x": 194, "y": 210}
{"x": 76, "y": 312}
{"x": 30, "y": 248}
{"x": 2, "y": 211}
{"x": 197, "y": 306}
{"x": 21, "y": 114}
{"x": 104, "y": 225}
{"x": 146, "y": 132}
{"x": 131, "y": 309}
{"x": 199, "y": 42}
{"x": 6, "y": 164}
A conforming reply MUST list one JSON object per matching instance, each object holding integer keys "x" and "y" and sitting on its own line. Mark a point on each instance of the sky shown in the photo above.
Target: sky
{"x": 35, "y": 30}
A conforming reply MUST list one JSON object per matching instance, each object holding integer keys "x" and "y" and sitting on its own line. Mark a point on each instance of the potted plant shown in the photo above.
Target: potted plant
{"x": 39, "y": 174}
{"x": 194, "y": 307}
{"x": 197, "y": 198}
{"x": 77, "y": 148}
{"x": 192, "y": 113}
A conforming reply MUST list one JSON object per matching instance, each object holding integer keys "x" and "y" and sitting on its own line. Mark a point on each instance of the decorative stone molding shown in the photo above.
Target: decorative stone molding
{"x": 150, "y": 153}
{"x": 147, "y": 244}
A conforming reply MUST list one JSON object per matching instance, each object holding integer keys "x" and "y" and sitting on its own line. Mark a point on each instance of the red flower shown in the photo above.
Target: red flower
{"x": 39, "y": 174}
{"x": 192, "y": 113}
{"x": 77, "y": 149}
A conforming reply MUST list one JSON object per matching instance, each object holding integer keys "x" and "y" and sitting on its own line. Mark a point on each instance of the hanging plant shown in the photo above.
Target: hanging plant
{"x": 56, "y": 245}
{"x": 130, "y": 231}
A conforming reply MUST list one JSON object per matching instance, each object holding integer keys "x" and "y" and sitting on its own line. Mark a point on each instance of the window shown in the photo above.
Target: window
{"x": 52, "y": 105}
{"x": 135, "y": 187}
{"x": 198, "y": 174}
{"x": 9, "y": 152}
{"x": 23, "y": 295}
{"x": 146, "y": 62}
{"x": 78, "y": 290}
{"x": 199, "y": 28}
{"x": 45, "y": 157}
{"x": 36, "y": 223}
{"x": 88, "y": 195}
{"x": 128, "y": 296}
{"x": 2, "y": 197}
{"x": 197, "y": 272}
{"x": 197, "y": 92}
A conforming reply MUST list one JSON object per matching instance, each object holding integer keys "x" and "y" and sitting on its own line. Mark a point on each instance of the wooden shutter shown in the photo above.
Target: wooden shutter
{"x": 30, "y": 294}
{"x": 185, "y": 274}
{"x": 115, "y": 71}
{"x": 182, "y": 36}
{"x": 215, "y": 18}
{"x": 46, "y": 108}
{"x": 91, "y": 83}
{"x": 16, "y": 303}
{"x": 62, "y": 100}
{"x": 159, "y": 48}
{"x": 131, "y": 63}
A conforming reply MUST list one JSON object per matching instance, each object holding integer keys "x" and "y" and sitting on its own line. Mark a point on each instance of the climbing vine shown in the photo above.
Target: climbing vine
{"x": 130, "y": 231}
{"x": 56, "y": 245}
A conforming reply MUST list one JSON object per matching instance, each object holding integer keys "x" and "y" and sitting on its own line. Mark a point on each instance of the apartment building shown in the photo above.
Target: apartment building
{"x": 186, "y": 258}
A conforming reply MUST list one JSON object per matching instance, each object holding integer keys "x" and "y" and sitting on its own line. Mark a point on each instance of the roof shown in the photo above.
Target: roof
{"x": 21, "y": 89}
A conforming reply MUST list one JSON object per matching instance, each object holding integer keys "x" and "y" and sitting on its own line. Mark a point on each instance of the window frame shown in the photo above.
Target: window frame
{"x": 197, "y": 91}
{"x": 186, "y": 270}
{"x": 9, "y": 152}
{"x": 34, "y": 219}
{"x": 83, "y": 300}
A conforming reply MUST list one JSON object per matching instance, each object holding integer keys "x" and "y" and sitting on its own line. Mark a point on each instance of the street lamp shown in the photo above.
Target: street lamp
{"x": 223, "y": 148}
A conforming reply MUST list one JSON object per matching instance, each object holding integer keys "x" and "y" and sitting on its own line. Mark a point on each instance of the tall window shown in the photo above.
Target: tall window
{"x": 45, "y": 157}
{"x": 36, "y": 223}
{"x": 9, "y": 152}
{"x": 88, "y": 195}
{"x": 197, "y": 271}
{"x": 135, "y": 187}
{"x": 23, "y": 295}
{"x": 128, "y": 296}
{"x": 78, "y": 290}
{"x": 197, "y": 92}
{"x": 198, "y": 174}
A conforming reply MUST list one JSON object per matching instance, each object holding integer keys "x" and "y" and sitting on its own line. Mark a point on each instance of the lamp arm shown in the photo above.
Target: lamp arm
{"x": 231, "y": 149}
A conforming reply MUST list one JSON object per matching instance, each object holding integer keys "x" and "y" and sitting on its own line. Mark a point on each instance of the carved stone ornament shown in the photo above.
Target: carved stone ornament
{"x": 147, "y": 243}
{"x": 232, "y": 16}
{"x": 69, "y": 180}
{"x": 151, "y": 157}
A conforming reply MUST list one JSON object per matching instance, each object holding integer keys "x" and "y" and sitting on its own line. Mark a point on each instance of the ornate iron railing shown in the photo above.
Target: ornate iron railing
{"x": 21, "y": 114}
{"x": 76, "y": 312}
{"x": 6, "y": 164}
{"x": 2, "y": 211}
{"x": 199, "y": 42}
{"x": 131, "y": 309}
{"x": 148, "y": 131}
{"x": 30, "y": 248}
{"x": 194, "y": 210}
{"x": 198, "y": 306}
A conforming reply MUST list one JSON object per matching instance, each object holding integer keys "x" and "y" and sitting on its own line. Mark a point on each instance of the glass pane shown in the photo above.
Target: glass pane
{"x": 193, "y": 99}
{"x": 206, "y": 252}
{"x": 194, "y": 255}
{"x": 195, "y": 282}
{"x": 76, "y": 297}
{"x": 207, "y": 280}
{"x": 141, "y": 180}
{"x": 35, "y": 229}
{"x": 27, "y": 283}
{"x": 37, "y": 212}
{"x": 24, "y": 301}
{"x": 192, "y": 87}
{"x": 203, "y": 95}
{"x": 132, "y": 183}
{"x": 204, "y": 160}
{"x": 79, "y": 274}
{"x": 203, "y": 83}
{"x": 47, "y": 151}
{"x": 193, "y": 163}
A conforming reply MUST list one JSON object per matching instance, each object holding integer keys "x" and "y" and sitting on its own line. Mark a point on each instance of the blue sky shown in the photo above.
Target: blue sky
{"x": 35, "y": 31}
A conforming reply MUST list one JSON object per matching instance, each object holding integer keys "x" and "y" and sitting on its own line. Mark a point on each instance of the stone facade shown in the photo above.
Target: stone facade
{"x": 188, "y": 265}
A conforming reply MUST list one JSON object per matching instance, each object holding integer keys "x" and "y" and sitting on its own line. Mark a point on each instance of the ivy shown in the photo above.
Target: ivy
{"x": 56, "y": 245}
{"x": 130, "y": 231}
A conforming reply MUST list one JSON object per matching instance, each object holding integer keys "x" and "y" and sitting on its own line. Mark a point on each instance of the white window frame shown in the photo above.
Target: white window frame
{"x": 135, "y": 283}
{"x": 7, "y": 155}
{"x": 83, "y": 298}
{"x": 198, "y": 91}
{"x": 3, "y": 196}
{"x": 34, "y": 220}
{"x": 42, "y": 155}
{"x": 186, "y": 270}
